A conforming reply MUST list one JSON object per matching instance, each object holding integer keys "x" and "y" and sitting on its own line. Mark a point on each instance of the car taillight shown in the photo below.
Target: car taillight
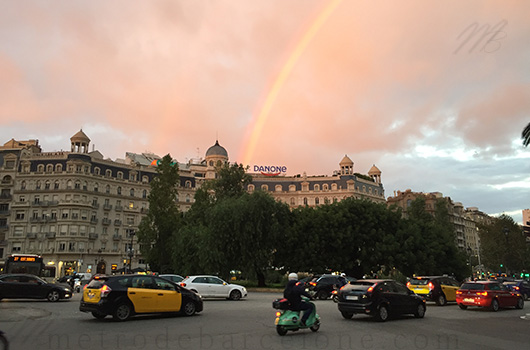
{"x": 516, "y": 288}
{"x": 458, "y": 292}
{"x": 278, "y": 314}
{"x": 105, "y": 290}
{"x": 431, "y": 286}
{"x": 334, "y": 292}
{"x": 371, "y": 288}
{"x": 183, "y": 284}
{"x": 482, "y": 293}
{"x": 408, "y": 284}
{"x": 313, "y": 283}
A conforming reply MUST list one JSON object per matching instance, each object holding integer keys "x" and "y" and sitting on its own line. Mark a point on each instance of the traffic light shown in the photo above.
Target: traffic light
{"x": 501, "y": 265}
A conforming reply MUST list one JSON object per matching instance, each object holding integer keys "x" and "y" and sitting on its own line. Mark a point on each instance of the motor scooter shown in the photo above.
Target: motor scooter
{"x": 4, "y": 344}
{"x": 289, "y": 320}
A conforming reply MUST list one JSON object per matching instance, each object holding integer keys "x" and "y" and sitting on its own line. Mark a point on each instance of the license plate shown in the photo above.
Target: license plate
{"x": 469, "y": 300}
{"x": 352, "y": 297}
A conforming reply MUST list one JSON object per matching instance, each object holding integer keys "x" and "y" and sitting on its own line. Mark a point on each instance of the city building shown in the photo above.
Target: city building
{"x": 304, "y": 190}
{"x": 464, "y": 220}
{"x": 79, "y": 210}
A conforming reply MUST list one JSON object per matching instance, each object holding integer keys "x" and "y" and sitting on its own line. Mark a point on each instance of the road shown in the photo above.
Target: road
{"x": 249, "y": 324}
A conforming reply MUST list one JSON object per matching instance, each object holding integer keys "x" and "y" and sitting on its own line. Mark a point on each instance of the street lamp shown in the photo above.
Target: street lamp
{"x": 506, "y": 231}
{"x": 131, "y": 250}
{"x": 469, "y": 251}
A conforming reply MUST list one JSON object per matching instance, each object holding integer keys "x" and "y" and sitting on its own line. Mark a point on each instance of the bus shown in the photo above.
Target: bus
{"x": 29, "y": 263}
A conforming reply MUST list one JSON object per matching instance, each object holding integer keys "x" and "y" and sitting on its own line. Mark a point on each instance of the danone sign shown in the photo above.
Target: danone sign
{"x": 270, "y": 170}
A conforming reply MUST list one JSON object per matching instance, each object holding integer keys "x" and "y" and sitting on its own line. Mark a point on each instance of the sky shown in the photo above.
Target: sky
{"x": 434, "y": 93}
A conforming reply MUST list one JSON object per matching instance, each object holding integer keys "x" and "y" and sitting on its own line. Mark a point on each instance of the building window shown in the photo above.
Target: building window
{"x": 251, "y": 188}
{"x": 278, "y": 188}
{"x": 85, "y": 186}
{"x": 107, "y": 189}
{"x": 325, "y": 187}
{"x": 77, "y": 185}
{"x": 188, "y": 198}
{"x": 317, "y": 201}
{"x": 144, "y": 194}
{"x": 23, "y": 185}
{"x": 305, "y": 201}
{"x": 96, "y": 186}
{"x": 97, "y": 171}
{"x": 292, "y": 188}
{"x": 120, "y": 175}
{"x": 145, "y": 179}
{"x": 188, "y": 184}
{"x": 49, "y": 168}
{"x": 118, "y": 190}
{"x": 316, "y": 188}
{"x": 264, "y": 187}
{"x": 59, "y": 168}
{"x": 333, "y": 187}
{"x": 56, "y": 185}
{"x": 132, "y": 192}
{"x": 47, "y": 185}
{"x": 293, "y": 202}
{"x": 40, "y": 168}
{"x": 108, "y": 173}
{"x": 37, "y": 186}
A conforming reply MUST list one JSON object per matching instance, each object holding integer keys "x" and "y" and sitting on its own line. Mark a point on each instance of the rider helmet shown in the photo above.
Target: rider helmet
{"x": 293, "y": 276}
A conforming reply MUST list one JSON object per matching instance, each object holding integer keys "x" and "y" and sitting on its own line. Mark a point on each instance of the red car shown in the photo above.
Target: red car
{"x": 489, "y": 294}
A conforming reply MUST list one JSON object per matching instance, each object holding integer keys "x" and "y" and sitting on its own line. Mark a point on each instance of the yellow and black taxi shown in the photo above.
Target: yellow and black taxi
{"x": 125, "y": 295}
{"x": 439, "y": 289}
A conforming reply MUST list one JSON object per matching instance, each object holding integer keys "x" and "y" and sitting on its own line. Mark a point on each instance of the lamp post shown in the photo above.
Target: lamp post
{"x": 131, "y": 250}
{"x": 469, "y": 252}
{"x": 506, "y": 231}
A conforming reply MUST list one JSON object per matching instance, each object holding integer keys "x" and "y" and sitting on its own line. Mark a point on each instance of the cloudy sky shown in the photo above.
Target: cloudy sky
{"x": 435, "y": 93}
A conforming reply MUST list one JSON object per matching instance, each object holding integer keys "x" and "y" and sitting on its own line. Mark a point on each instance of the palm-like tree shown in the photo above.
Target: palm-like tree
{"x": 526, "y": 135}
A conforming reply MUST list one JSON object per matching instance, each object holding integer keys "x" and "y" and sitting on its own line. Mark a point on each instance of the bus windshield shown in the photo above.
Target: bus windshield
{"x": 29, "y": 263}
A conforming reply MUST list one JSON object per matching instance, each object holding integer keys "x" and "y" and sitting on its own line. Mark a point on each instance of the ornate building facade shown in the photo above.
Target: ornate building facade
{"x": 77, "y": 209}
{"x": 80, "y": 211}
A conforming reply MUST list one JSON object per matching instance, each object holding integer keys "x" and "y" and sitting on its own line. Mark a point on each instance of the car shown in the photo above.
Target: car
{"x": 172, "y": 278}
{"x": 214, "y": 287}
{"x": 15, "y": 286}
{"x": 488, "y": 294}
{"x": 521, "y": 286}
{"x": 323, "y": 286}
{"x": 380, "y": 298}
{"x": 123, "y": 296}
{"x": 439, "y": 289}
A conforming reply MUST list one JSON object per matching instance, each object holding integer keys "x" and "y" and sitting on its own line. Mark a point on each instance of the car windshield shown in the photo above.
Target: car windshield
{"x": 508, "y": 283}
{"x": 419, "y": 282}
{"x": 473, "y": 286}
{"x": 360, "y": 286}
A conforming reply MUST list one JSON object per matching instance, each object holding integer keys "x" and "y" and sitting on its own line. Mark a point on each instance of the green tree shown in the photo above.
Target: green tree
{"x": 156, "y": 232}
{"x": 503, "y": 243}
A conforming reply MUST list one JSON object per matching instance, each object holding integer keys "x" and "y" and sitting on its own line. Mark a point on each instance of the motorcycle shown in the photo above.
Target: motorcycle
{"x": 335, "y": 295}
{"x": 289, "y": 320}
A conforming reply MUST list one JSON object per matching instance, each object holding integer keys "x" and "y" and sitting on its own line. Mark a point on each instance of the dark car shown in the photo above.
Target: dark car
{"x": 323, "y": 286}
{"x": 489, "y": 294}
{"x": 379, "y": 298}
{"x": 521, "y": 286}
{"x": 18, "y": 286}
{"x": 439, "y": 289}
{"x": 125, "y": 295}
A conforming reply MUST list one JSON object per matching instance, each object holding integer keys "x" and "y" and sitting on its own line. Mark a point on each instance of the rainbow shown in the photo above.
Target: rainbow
{"x": 257, "y": 123}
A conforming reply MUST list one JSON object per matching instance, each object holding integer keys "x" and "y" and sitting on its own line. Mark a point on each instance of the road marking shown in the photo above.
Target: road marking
{"x": 526, "y": 317}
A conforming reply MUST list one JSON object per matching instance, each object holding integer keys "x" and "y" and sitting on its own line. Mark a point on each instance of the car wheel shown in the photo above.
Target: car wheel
{"x": 98, "y": 315}
{"x": 382, "y": 313}
{"x": 189, "y": 308}
{"x": 315, "y": 326}
{"x": 322, "y": 295}
{"x": 494, "y": 305}
{"x": 281, "y": 330}
{"x": 53, "y": 296}
{"x": 122, "y": 312}
{"x": 441, "y": 300}
{"x": 346, "y": 315}
{"x": 463, "y": 307}
{"x": 235, "y": 295}
{"x": 520, "y": 303}
{"x": 420, "y": 311}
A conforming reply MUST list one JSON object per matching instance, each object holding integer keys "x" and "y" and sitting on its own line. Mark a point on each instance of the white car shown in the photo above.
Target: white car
{"x": 214, "y": 287}
{"x": 173, "y": 278}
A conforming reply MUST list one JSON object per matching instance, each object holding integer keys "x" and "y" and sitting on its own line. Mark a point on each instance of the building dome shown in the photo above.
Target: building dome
{"x": 217, "y": 150}
{"x": 346, "y": 161}
{"x": 374, "y": 171}
{"x": 80, "y": 137}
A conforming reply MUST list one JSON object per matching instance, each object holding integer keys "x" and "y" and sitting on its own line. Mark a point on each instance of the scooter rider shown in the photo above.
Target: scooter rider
{"x": 293, "y": 292}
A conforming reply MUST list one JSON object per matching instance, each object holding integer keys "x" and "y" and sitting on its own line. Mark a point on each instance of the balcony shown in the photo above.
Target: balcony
{"x": 95, "y": 205}
{"x": 5, "y": 212}
{"x": 5, "y": 196}
{"x": 144, "y": 210}
{"x": 116, "y": 237}
{"x": 107, "y": 206}
{"x": 32, "y": 235}
{"x": 50, "y": 235}
{"x": 92, "y": 236}
{"x": 106, "y": 221}
{"x": 117, "y": 222}
{"x": 93, "y": 220}
{"x": 118, "y": 208}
